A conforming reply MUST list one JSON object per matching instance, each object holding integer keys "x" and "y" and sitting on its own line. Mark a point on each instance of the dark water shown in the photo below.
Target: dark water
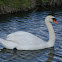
{"x": 35, "y": 24}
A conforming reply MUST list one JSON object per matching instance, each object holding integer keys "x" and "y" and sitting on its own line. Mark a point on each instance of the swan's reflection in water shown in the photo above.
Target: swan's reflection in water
{"x": 45, "y": 55}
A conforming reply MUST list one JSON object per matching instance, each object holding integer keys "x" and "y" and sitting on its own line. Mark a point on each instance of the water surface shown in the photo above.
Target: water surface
{"x": 35, "y": 24}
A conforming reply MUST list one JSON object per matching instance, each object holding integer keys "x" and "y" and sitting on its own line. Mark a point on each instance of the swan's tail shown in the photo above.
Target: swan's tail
{"x": 7, "y": 44}
{"x": 2, "y": 40}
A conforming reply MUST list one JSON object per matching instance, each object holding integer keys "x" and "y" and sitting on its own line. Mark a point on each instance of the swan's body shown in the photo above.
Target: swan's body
{"x": 27, "y": 41}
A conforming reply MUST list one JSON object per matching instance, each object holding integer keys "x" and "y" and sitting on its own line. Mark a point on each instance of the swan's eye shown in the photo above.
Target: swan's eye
{"x": 54, "y": 19}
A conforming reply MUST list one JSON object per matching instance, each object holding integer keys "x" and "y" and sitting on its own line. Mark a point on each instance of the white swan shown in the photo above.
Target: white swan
{"x": 26, "y": 41}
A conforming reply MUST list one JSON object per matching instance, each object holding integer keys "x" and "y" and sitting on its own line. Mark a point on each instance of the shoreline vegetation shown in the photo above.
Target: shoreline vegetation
{"x": 11, "y": 6}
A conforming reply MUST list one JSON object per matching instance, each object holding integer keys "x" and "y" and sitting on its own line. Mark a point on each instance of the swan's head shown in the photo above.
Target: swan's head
{"x": 51, "y": 19}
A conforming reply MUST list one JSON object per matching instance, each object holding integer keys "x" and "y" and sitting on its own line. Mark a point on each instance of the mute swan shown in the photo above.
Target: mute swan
{"x": 26, "y": 41}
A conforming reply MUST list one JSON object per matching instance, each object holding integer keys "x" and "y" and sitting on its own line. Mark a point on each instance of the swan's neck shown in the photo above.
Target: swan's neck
{"x": 51, "y": 34}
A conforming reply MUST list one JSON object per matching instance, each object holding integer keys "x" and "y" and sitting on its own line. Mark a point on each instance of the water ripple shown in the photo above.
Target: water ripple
{"x": 34, "y": 24}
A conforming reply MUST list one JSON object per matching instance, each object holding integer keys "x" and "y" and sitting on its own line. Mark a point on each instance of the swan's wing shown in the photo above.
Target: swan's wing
{"x": 16, "y": 36}
{"x": 24, "y": 38}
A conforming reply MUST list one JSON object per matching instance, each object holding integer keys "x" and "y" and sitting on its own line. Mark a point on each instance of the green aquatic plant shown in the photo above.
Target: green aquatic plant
{"x": 26, "y": 2}
{"x": 1, "y": 2}
{"x": 45, "y": 0}
{"x": 16, "y": 3}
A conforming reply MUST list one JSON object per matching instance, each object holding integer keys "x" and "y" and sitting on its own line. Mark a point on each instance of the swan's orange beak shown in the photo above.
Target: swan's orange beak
{"x": 55, "y": 21}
